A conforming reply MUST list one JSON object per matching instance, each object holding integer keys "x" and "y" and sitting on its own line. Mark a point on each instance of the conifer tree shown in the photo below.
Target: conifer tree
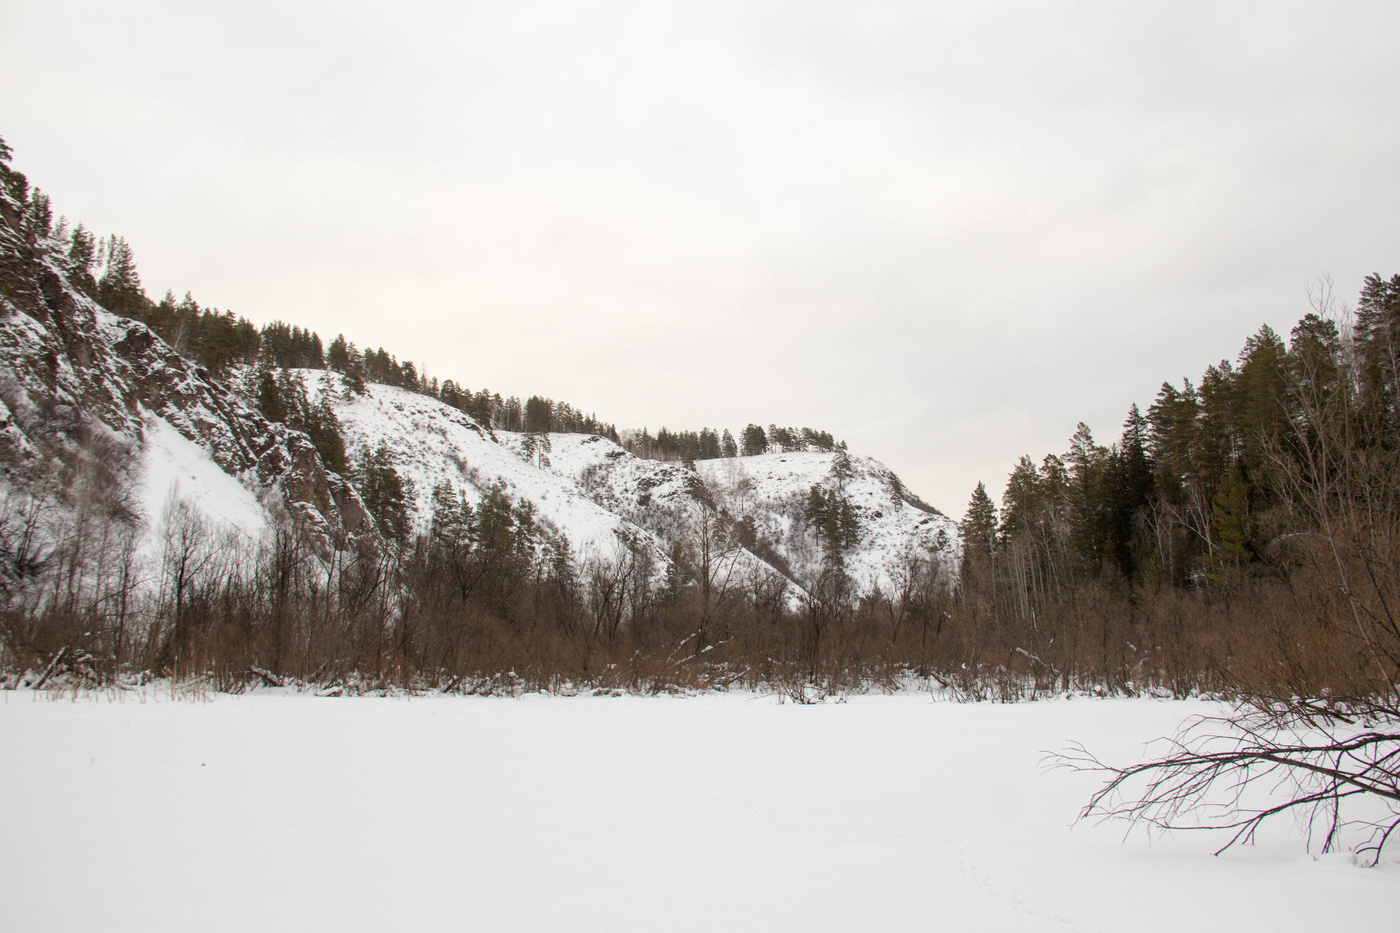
{"x": 1377, "y": 338}
{"x": 1230, "y": 510}
{"x": 355, "y": 371}
{"x": 338, "y": 354}
{"x": 1132, "y": 490}
{"x": 979, "y": 528}
{"x": 270, "y": 403}
{"x": 40, "y": 216}
{"x": 452, "y": 516}
{"x": 386, "y": 494}
{"x": 754, "y": 441}
{"x": 82, "y": 256}
{"x": 1263, "y": 383}
{"x": 119, "y": 289}
{"x": 841, "y": 469}
{"x": 1088, "y": 474}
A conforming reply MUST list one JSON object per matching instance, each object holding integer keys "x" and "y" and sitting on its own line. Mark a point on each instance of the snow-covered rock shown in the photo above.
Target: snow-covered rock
{"x": 73, "y": 375}
{"x": 671, "y": 502}
{"x": 897, "y": 532}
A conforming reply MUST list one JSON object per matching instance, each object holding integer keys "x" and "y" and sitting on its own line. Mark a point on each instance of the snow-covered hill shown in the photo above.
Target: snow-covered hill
{"x": 898, "y": 536}
{"x": 600, "y": 496}
{"x": 666, "y": 499}
{"x": 433, "y": 443}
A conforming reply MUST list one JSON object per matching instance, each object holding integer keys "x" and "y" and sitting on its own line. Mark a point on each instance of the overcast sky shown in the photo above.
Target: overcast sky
{"x": 945, "y": 233}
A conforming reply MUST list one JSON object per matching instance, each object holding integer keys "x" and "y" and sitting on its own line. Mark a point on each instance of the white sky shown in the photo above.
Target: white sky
{"x": 946, "y": 233}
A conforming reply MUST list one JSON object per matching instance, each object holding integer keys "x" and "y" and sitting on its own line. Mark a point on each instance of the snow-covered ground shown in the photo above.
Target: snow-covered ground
{"x": 721, "y": 812}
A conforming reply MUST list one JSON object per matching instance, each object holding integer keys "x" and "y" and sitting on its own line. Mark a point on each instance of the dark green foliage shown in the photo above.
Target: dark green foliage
{"x": 1377, "y": 340}
{"x": 1231, "y": 525}
{"x": 1185, "y": 495}
{"x": 344, "y": 358}
{"x": 217, "y": 341}
{"x": 709, "y": 444}
{"x": 15, "y": 184}
{"x": 678, "y": 576}
{"x": 270, "y": 404}
{"x": 791, "y": 440}
{"x": 1130, "y": 493}
{"x": 504, "y": 527}
{"x": 40, "y": 218}
{"x": 1262, "y": 385}
{"x": 321, "y": 425}
{"x": 338, "y": 354}
{"x": 453, "y": 517}
{"x": 119, "y": 289}
{"x": 753, "y": 441}
{"x": 289, "y": 347}
{"x": 283, "y": 398}
{"x": 686, "y": 446}
{"x": 82, "y": 258}
{"x": 539, "y": 415}
{"x": 979, "y": 525}
{"x": 835, "y": 521}
{"x": 818, "y": 440}
{"x": 386, "y": 494}
{"x": 384, "y": 368}
{"x": 510, "y": 414}
{"x": 841, "y": 468}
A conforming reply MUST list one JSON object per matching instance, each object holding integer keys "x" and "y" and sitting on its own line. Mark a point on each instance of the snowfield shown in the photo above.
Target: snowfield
{"x": 719, "y": 812}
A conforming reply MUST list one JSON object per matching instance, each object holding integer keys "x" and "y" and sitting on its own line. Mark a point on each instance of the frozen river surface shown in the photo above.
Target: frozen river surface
{"x": 731, "y": 812}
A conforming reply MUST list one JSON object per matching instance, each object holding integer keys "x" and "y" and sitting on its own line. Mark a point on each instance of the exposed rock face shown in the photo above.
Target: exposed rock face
{"x": 69, "y": 370}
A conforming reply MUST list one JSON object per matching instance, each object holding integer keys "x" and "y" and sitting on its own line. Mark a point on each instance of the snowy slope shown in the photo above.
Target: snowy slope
{"x": 600, "y": 495}
{"x": 174, "y": 467}
{"x": 433, "y": 443}
{"x": 895, "y": 532}
{"x": 658, "y": 496}
{"x": 664, "y": 498}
